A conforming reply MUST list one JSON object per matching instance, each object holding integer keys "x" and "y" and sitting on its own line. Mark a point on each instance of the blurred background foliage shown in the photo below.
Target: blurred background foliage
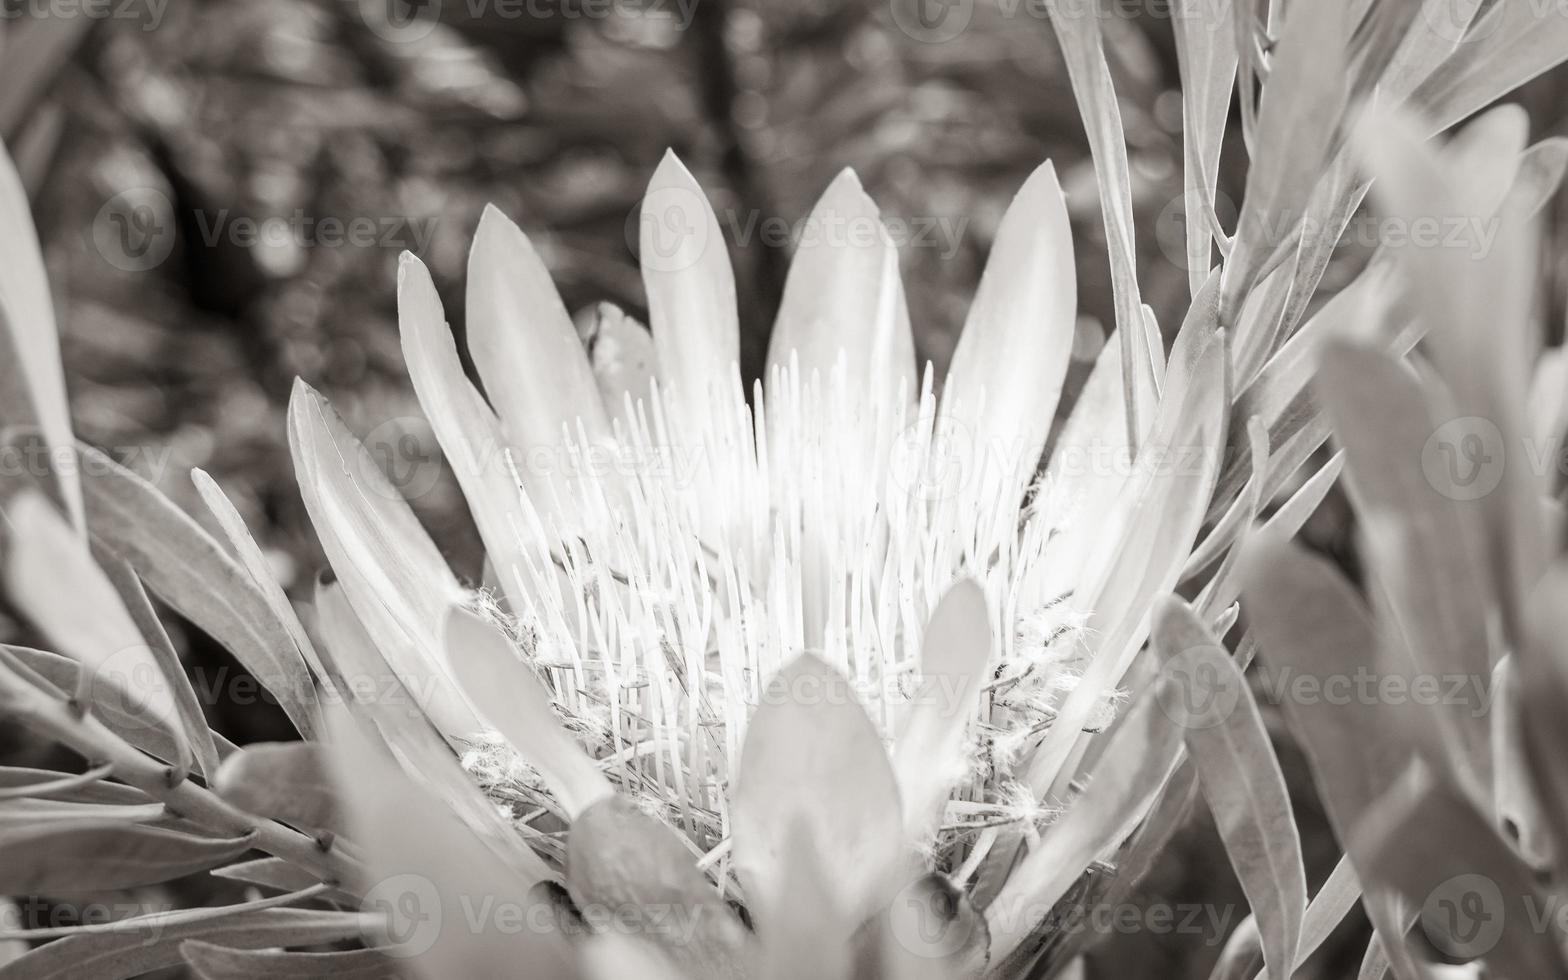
{"x": 153, "y": 135}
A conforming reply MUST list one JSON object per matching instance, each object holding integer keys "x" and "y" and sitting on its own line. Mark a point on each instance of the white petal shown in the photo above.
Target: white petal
{"x": 1007, "y": 372}
{"x": 691, "y": 288}
{"x": 468, "y": 431}
{"x": 514, "y": 701}
{"x": 533, "y": 366}
{"x": 395, "y": 579}
{"x": 834, "y": 294}
{"x": 929, "y": 757}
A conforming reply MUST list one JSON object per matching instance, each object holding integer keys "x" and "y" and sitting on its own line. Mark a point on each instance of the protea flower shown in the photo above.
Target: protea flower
{"x": 805, "y": 683}
{"x": 836, "y": 636}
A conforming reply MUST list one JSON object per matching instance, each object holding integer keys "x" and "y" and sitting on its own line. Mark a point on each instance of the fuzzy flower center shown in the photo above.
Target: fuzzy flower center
{"x": 670, "y": 574}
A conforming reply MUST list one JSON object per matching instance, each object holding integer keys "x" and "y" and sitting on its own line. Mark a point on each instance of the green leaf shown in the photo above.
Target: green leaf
{"x": 1299, "y": 116}
{"x": 1422, "y": 554}
{"x": 1078, "y": 31}
{"x": 155, "y": 945}
{"x": 85, "y": 855}
{"x": 99, "y": 791}
{"x": 1509, "y": 45}
{"x": 1453, "y": 290}
{"x": 32, "y": 383}
{"x": 286, "y": 781}
{"x": 192, "y": 573}
{"x": 270, "y": 872}
{"x": 1142, "y": 752}
{"x": 121, "y": 711}
{"x": 1477, "y": 899}
{"x": 1206, "y": 55}
{"x": 1243, "y": 952}
{"x": 623, "y": 860}
{"x": 1241, "y": 779}
{"x": 1158, "y": 515}
{"x": 1315, "y": 638}
{"x": 52, "y": 578}
{"x": 1338, "y": 894}
{"x": 214, "y": 962}
{"x": 255, "y": 563}
{"x": 196, "y": 733}
{"x": 1542, "y": 692}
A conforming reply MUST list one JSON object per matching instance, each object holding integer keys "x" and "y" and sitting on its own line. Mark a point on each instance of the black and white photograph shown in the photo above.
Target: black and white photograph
{"x": 783, "y": 490}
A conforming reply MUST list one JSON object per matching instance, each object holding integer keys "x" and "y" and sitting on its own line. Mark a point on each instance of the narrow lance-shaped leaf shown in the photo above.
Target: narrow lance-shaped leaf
{"x": 1240, "y": 776}
{"x": 1206, "y": 52}
{"x": 74, "y": 856}
{"x": 195, "y": 730}
{"x": 190, "y": 571}
{"x": 1422, "y": 555}
{"x": 1299, "y": 118}
{"x": 1078, "y": 31}
{"x": 285, "y": 781}
{"x": 1429, "y": 848}
{"x": 1507, "y": 46}
{"x": 153, "y": 942}
{"x": 212, "y": 961}
{"x": 32, "y": 382}
{"x": 255, "y": 563}
{"x": 1141, "y": 755}
{"x": 52, "y": 578}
